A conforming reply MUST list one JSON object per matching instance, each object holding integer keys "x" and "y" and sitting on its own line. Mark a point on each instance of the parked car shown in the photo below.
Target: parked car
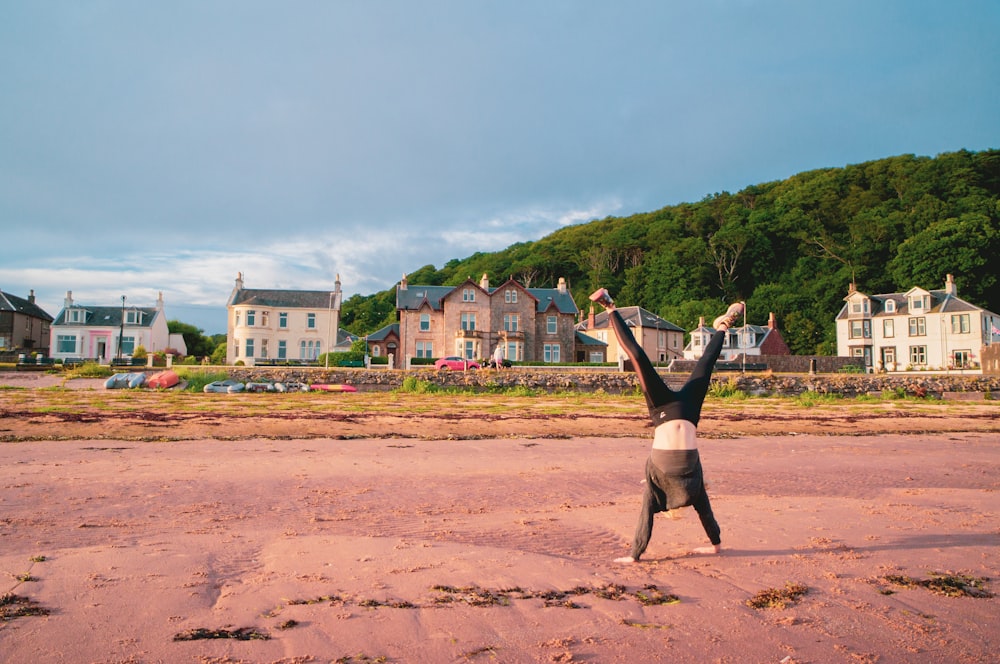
{"x": 455, "y": 363}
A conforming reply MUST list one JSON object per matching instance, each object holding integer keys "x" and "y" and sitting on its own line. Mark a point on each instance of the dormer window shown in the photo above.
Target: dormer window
{"x": 917, "y": 304}
{"x": 133, "y": 317}
{"x": 74, "y": 316}
{"x": 890, "y": 306}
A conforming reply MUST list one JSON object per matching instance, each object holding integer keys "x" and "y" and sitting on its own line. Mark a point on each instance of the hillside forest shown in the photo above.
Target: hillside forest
{"x": 791, "y": 247}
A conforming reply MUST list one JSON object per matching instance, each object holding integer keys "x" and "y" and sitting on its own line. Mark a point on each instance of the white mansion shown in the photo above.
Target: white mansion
{"x": 918, "y": 329}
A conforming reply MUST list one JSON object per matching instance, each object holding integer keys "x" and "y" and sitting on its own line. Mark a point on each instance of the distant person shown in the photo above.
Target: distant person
{"x": 673, "y": 471}
{"x": 498, "y": 355}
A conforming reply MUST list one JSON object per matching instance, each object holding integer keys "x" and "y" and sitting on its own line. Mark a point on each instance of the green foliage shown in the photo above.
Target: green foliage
{"x": 197, "y": 380}
{"x": 790, "y": 247}
{"x": 90, "y": 370}
{"x": 726, "y": 389}
{"x": 198, "y": 345}
{"x": 219, "y": 354}
{"x": 414, "y": 385}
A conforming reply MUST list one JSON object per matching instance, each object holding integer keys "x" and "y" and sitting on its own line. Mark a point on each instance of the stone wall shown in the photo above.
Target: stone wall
{"x": 615, "y": 382}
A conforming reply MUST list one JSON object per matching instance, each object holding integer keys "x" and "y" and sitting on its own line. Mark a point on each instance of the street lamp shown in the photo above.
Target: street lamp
{"x": 329, "y": 328}
{"x": 121, "y": 330}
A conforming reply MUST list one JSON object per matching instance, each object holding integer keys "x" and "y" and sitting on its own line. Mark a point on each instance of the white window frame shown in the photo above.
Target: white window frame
{"x": 425, "y": 324}
{"x": 551, "y": 324}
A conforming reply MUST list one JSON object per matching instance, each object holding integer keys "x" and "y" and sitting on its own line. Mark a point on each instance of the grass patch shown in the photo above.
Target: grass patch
{"x": 949, "y": 585}
{"x": 240, "y": 634}
{"x": 90, "y": 370}
{"x": 197, "y": 380}
{"x": 727, "y": 389}
{"x": 777, "y": 598}
{"x": 17, "y": 606}
{"x": 810, "y": 398}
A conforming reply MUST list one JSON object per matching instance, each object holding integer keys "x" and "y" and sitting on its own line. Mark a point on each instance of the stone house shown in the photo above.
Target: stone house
{"x": 24, "y": 326}
{"x": 469, "y": 320}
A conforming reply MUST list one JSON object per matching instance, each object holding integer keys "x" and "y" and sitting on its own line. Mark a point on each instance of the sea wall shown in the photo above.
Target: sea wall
{"x": 616, "y": 382}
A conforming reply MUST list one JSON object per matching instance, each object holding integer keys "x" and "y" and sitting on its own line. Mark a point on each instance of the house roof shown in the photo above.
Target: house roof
{"x": 383, "y": 334}
{"x": 108, "y": 316}
{"x": 587, "y": 340}
{"x": 633, "y": 317}
{"x": 9, "y": 302}
{"x": 413, "y": 297}
{"x": 274, "y": 298}
{"x": 941, "y": 302}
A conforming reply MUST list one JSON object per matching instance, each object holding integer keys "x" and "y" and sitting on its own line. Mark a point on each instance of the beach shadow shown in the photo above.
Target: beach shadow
{"x": 907, "y": 543}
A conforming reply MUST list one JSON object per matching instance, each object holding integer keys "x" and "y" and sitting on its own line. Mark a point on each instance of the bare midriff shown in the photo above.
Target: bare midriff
{"x": 675, "y": 435}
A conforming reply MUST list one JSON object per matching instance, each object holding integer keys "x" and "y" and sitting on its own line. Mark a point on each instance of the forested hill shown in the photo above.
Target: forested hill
{"x": 790, "y": 247}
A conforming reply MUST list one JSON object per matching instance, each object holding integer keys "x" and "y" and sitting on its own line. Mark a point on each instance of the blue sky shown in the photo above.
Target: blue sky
{"x": 150, "y": 147}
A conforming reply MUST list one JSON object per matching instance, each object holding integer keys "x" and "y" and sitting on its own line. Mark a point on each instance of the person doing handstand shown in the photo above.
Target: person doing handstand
{"x": 673, "y": 471}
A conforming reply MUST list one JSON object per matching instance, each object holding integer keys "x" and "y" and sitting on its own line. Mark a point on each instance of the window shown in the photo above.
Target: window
{"x": 283, "y": 320}
{"x": 856, "y": 329}
{"x": 550, "y": 352}
{"x": 510, "y": 322}
{"x": 236, "y": 319}
{"x": 425, "y": 324}
{"x": 890, "y": 306}
{"x": 263, "y": 318}
{"x": 74, "y": 316}
{"x": 960, "y": 358}
{"x": 960, "y": 324}
{"x": 128, "y": 345}
{"x": 251, "y": 321}
{"x": 249, "y": 342}
{"x": 133, "y": 317}
{"x": 311, "y": 321}
{"x": 661, "y": 339}
{"x": 888, "y": 328}
{"x": 918, "y": 354}
{"x": 309, "y": 350}
{"x": 425, "y": 349}
{"x": 66, "y": 343}
{"x": 513, "y": 351}
{"x": 282, "y": 349}
{"x": 858, "y": 351}
{"x": 550, "y": 324}
{"x": 469, "y": 350}
{"x": 263, "y": 347}
{"x": 859, "y": 307}
{"x": 889, "y": 355}
{"x": 469, "y": 322}
{"x": 918, "y": 327}
{"x": 468, "y": 295}
{"x": 510, "y": 296}
{"x": 376, "y": 350}
{"x": 917, "y": 303}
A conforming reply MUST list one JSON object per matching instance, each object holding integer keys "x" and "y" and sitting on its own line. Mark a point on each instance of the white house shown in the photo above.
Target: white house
{"x": 104, "y": 333}
{"x": 749, "y": 340}
{"x": 267, "y": 325}
{"x": 918, "y": 329}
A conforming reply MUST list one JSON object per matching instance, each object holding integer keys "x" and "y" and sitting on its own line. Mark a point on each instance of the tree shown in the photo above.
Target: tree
{"x": 197, "y": 343}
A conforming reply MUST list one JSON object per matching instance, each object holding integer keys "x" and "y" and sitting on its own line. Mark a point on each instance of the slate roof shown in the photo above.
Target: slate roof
{"x": 381, "y": 335}
{"x": 274, "y": 298}
{"x": 413, "y": 297}
{"x": 9, "y": 302}
{"x": 108, "y": 316}
{"x": 633, "y": 317}
{"x": 941, "y": 302}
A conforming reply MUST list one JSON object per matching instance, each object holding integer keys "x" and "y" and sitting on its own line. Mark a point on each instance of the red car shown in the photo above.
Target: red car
{"x": 455, "y": 363}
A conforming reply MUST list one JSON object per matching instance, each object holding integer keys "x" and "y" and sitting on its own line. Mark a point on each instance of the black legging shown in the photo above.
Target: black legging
{"x": 664, "y": 403}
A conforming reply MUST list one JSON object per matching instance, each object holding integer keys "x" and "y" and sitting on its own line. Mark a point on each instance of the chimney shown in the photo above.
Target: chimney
{"x": 591, "y": 318}
{"x": 68, "y": 302}
{"x": 949, "y": 286}
{"x": 239, "y": 281}
{"x": 772, "y": 322}
{"x": 402, "y": 283}
{"x": 562, "y": 284}
{"x": 159, "y": 301}
{"x": 484, "y": 282}
{"x": 852, "y": 288}
{"x": 31, "y": 296}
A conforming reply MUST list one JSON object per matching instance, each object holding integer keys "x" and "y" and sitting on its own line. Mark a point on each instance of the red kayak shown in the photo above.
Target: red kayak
{"x": 163, "y": 379}
{"x": 332, "y": 387}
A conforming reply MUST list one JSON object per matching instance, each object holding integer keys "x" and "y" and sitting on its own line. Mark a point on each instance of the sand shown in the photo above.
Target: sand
{"x": 442, "y": 548}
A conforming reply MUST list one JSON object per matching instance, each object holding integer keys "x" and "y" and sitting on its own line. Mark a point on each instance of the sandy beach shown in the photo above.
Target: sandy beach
{"x": 437, "y": 547}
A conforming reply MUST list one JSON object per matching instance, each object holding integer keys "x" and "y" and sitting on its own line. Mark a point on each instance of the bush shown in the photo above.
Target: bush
{"x": 414, "y": 385}
{"x": 90, "y": 370}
